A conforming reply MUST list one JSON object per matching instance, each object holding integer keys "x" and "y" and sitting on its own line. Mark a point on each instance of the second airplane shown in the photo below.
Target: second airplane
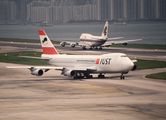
{"x": 97, "y": 42}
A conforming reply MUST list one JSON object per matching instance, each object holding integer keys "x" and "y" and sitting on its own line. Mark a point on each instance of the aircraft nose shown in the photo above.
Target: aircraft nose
{"x": 131, "y": 65}
{"x": 127, "y": 65}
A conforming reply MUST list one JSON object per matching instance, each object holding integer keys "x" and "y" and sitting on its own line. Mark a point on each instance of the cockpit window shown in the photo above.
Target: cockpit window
{"x": 123, "y": 56}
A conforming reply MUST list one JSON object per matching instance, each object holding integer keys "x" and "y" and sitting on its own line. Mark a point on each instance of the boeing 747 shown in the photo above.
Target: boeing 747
{"x": 97, "y": 42}
{"x": 79, "y": 66}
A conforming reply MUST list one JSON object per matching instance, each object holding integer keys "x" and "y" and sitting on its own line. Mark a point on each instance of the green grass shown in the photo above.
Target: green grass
{"x": 157, "y": 76}
{"x": 12, "y": 57}
{"x": 141, "y": 46}
{"x": 149, "y": 64}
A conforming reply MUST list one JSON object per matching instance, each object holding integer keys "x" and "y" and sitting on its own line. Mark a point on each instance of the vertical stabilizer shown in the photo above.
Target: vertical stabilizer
{"x": 47, "y": 46}
{"x": 105, "y": 31}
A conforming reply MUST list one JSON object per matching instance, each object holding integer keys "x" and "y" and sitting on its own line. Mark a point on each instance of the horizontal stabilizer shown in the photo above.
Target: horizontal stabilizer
{"x": 134, "y": 61}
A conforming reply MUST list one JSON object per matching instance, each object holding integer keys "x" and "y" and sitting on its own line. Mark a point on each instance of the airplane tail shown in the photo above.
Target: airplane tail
{"x": 47, "y": 46}
{"x": 105, "y": 31}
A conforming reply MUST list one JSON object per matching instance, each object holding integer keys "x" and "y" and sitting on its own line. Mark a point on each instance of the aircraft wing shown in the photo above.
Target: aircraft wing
{"x": 72, "y": 44}
{"x": 83, "y": 44}
{"x": 36, "y": 67}
{"x": 55, "y": 68}
{"x": 35, "y": 57}
{"x": 115, "y": 38}
{"x": 67, "y": 42}
{"x": 38, "y": 70}
{"x": 81, "y": 69}
{"x": 84, "y": 69}
{"x": 124, "y": 42}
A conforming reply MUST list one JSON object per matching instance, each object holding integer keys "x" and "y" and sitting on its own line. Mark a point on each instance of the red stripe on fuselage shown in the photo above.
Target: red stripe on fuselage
{"x": 41, "y": 32}
{"x": 88, "y": 40}
{"x": 97, "y": 61}
{"x": 49, "y": 50}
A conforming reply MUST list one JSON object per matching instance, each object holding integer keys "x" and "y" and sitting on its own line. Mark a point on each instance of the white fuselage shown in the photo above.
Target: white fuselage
{"x": 91, "y": 40}
{"x": 107, "y": 63}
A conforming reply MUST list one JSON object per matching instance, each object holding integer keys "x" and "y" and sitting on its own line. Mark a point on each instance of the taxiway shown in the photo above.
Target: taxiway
{"x": 56, "y": 97}
{"x": 52, "y": 96}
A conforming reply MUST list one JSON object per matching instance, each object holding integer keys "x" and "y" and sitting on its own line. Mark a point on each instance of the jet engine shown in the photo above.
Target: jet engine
{"x": 70, "y": 73}
{"x": 124, "y": 44}
{"x": 62, "y": 44}
{"x": 72, "y": 45}
{"x": 134, "y": 68}
{"x": 37, "y": 72}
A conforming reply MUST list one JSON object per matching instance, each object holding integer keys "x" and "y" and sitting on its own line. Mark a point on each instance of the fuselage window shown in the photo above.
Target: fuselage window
{"x": 123, "y": 56}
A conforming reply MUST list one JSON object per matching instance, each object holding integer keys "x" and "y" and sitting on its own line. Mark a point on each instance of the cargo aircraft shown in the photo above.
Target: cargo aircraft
{"x": 79, "y": 66}
{"x": 97, "y": 42}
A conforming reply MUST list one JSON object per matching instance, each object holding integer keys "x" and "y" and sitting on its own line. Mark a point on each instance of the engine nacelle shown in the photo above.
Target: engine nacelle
{"x": 62, "y": 44}
{"x": 37, "y": 72}
{"x": 72, "y": 45}
{"x": 124, "y": 44}
{"x": 134, "y": 68}
{"x": 70, "y": 73}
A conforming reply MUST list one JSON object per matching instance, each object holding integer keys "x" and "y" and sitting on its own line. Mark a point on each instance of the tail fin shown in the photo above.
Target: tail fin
{"x": 47, "y": 46}
{"x": 105, "y": 31}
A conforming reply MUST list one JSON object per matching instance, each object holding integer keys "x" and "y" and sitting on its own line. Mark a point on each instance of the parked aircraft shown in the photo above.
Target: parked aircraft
{"x": 97, "y": 42}
{"x": 79, "y": 66}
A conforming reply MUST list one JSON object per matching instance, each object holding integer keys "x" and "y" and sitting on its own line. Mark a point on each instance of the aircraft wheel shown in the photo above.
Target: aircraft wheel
{"x": 122, "y": 77}
{"x": 96, "y": 48}
{"x": 89, "y": 76}
{"x": 75, "y": 77}
{"x": 100, "y": 48}
{"x": 84, "y": 48}
{"x": 101, "y": 76}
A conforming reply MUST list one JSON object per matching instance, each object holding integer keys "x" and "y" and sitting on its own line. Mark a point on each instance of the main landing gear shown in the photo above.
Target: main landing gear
{"x": 101, "y": 76}
{"x": 84, "y": 48}
{"x": 82, "y": 75}
{"x": 122, "y": 77}
{"x": 91, "y": 48}
{"x": 100, "y": 48}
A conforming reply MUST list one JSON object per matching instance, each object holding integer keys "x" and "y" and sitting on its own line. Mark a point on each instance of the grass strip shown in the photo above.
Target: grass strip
{"x": 141, "y": 46}
{"x": 149, "y": 64}
{"x": 161, "y": 75}
{"x": 12, "y": 57}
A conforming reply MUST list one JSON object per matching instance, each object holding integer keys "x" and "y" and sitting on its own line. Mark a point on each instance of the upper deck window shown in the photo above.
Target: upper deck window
{"x": 123, "y": 56}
